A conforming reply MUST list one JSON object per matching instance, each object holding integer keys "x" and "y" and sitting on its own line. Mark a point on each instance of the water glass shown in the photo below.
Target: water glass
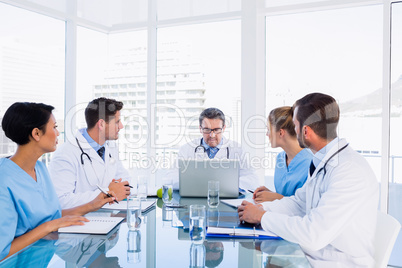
{"x": 197, "y": 223}
{"x": 167, "y": 216}
{"x": 197, "y": 255}
{"x": 134, "y": 246}
{"x": 133, "y": 212}
{"x": 142, "y": 187}
{"x": 167, "y": 193}
{"x": 213, "y": 194}
{"x": 213, "y": 217}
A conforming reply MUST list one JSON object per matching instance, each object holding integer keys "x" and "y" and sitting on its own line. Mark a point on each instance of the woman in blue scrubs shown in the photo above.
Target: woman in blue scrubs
{"x": 29, "y": 205}
{"x": 292, "y": 164}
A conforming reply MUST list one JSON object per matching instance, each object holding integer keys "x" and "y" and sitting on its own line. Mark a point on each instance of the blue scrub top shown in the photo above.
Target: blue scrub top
{"x": 288, "y": 179}
{"x": 24, "y": 203}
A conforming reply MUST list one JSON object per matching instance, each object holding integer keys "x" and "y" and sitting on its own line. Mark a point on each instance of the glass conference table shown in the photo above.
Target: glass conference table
{"x": 159, "y": 241}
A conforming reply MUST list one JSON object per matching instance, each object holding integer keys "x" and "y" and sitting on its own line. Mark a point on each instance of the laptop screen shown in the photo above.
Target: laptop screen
{"x": 195, "y": 174}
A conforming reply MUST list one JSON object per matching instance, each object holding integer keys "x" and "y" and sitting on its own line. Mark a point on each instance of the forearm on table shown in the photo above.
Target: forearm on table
{"x": 79, "y": 210}
{"x": 72, "y": 200}
{"x": 28, "y": 238}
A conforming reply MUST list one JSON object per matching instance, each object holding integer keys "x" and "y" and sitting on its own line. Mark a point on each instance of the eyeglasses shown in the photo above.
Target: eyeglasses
{"x": 215, "y": 130}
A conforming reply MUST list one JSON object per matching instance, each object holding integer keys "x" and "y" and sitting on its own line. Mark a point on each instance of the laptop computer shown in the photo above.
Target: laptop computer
{"x": 195, "y": 174}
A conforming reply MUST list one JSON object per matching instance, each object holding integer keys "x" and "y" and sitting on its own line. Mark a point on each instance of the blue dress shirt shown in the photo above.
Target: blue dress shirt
{"x": 211, "y": 151}
{"x": 93, "y": 143}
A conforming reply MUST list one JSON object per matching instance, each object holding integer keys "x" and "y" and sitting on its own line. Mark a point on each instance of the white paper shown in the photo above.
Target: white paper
{"x": 122, "y": 205}
{"x": 236, "y": 202}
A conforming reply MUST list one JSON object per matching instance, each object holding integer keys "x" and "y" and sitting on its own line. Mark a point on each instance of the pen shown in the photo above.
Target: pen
{"x": 176, "y": 206}
{"x": 250, "y": 191}
{"x": 128, "y": 185}
{"x": 106, "y": 193}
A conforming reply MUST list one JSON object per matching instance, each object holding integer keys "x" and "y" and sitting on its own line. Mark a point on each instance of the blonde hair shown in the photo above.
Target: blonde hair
{"x": 281, "y": 118}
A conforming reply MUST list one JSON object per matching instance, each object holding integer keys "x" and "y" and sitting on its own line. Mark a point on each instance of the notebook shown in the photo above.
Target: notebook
{"x": 122, "y": 205}
{"x": 96, "y": 225}
{"x": 195, "y": 174}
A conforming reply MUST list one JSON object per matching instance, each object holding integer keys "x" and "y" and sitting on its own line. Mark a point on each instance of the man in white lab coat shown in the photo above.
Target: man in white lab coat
{"x": 333, "y": 216}
{"x": 212, "y": 144}
{"x": 91, "y": 158}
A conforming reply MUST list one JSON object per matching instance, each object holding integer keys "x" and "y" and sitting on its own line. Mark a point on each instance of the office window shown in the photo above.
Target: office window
{"x": 117, "y": 13}
{"x": 172, "y": 9}
{"x": 395, "y": 179}
{"x": 59, "y": 5}
{"x": 31, "y": 64}
{"x": 337, "y": 52}
{"x": 113, "y": 65}
{"x": 201, "y": 65}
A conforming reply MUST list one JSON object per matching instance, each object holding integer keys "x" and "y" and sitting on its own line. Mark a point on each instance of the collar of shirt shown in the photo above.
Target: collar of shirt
{"x": 206, "y": 146}
{"x": 91, "y": 141}
{"x": 319, "y": 156}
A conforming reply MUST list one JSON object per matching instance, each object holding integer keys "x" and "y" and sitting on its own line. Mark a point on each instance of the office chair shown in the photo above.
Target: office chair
{"x": 387, "y": 231}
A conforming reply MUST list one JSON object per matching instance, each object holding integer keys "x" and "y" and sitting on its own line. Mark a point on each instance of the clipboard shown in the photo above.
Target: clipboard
{"x": 239, "y": 233}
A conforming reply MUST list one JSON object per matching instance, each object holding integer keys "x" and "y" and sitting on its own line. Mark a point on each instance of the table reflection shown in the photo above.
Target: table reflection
{"x": 84, "y": 250}
{"x": 134, "y": 246}
{"x": 160, "y": 239}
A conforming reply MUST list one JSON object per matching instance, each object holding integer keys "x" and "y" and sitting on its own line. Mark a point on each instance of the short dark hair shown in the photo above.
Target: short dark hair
{"x": 212, "y": 113}
{"x": 320, "y": 112}
{"x": 281, "y": 118}
{"x": 22, "y": 117}
{"x": 101, "y": 108}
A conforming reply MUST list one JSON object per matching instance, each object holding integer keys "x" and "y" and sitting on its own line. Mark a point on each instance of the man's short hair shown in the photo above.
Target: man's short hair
{"x": 320, "y": 112}
{"x": 212, "y": 113}
{"x": 101, "y": 108}
{"x": 22, "y": 117}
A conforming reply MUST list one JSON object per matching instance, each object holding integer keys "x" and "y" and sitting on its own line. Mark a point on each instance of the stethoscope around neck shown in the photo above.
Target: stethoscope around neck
{"x": 85, "y": 154}
{"x": 326, "y": 162}
{"x": 201, "y": 149}
{"x": 325, "y": 170}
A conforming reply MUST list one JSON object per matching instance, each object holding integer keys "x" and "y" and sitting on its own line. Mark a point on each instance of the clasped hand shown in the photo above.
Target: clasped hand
{"x": 120, "y": 188}
{"x": 250, "y": 213}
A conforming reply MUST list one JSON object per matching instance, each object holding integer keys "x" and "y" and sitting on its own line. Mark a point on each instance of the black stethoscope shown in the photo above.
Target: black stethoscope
{"x": 325, "y": 171}
{"x": 197, "y": 149}
{"x": 84, "y": 153}
{"x": 326, "y": 162}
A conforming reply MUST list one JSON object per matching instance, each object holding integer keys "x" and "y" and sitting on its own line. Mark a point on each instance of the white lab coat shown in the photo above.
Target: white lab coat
{"x": 333, "y": 218}
{"x": 248, "y": 179}
{"x": 75, "y": 183}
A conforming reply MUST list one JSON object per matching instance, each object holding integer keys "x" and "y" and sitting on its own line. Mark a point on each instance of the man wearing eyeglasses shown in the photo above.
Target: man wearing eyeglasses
{"x": 214, "y": 145}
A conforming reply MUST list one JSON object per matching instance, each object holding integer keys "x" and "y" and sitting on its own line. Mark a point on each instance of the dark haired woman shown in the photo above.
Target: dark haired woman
{"x": 29, "y": 205}
{"x": 292, "y": 164}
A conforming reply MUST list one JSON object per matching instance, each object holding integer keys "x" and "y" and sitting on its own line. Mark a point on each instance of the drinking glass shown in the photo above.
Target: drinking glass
{"x": 213, "y": 194}
{"x": 167, "y": 193}
{"x": 197, "y": 255}
{"x": 167, "y": 216}
{"x": 142, "y": 187}
{"x": 134, "y": 246}
{"x": 197, "y": 223}
{"x": 133, "y": 212}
